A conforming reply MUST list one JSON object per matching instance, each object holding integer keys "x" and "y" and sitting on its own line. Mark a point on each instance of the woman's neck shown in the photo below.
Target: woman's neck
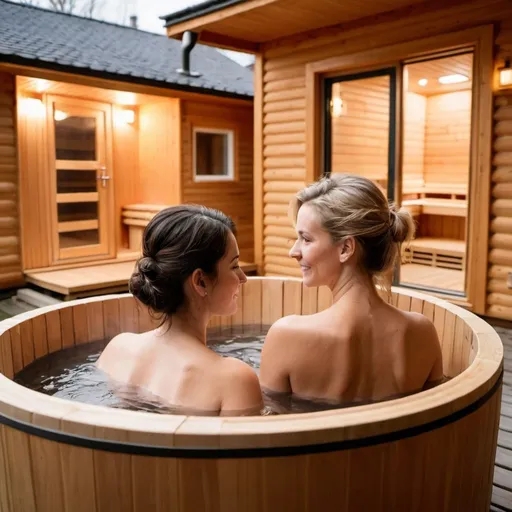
{"x": 354, "y": 283}
{"x": 191, "y": 323}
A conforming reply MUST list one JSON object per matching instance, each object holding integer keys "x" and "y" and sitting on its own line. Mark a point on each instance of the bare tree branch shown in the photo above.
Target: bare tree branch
{"x": 63, "y": 5}
{"x": 29, "y": 2}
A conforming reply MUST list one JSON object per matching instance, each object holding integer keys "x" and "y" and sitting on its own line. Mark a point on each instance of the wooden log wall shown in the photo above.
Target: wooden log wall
{"x": 447, "y": 134}
{"x": 10, "y": 250}
{"x": 283, "y": 100}
{"x": 235, "y": 198}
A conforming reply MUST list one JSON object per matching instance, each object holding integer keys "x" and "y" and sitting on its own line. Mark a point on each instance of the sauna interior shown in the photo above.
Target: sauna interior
{"x": 436, "y": 170}
{"x": 436, "y": 122}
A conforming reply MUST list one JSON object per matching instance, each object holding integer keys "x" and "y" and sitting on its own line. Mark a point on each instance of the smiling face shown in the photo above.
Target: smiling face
{"x": 227, "y": 285}
{"x": 317, "y": 255}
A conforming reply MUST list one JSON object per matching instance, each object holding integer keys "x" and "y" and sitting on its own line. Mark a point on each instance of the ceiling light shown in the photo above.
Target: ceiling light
{"x": 453, "y": 79}
{"x": 59, "y": 115}
{"x": 423, "y": 82}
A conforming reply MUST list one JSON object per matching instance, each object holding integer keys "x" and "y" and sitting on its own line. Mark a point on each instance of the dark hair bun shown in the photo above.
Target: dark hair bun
{"x": 177, "y": 241}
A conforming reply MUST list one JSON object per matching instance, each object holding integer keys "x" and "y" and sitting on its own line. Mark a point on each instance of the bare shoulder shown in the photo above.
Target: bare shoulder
{"x": 240, "y": 387}
{"x": 120, "y": 348}
{"x": 418, "y": 324}
{"x": 293, "y": 327}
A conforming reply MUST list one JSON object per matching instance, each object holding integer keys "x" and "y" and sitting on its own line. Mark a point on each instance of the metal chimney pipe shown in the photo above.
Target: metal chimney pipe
{"x": 133, "y": 21}
{"x": 188, "y": 41}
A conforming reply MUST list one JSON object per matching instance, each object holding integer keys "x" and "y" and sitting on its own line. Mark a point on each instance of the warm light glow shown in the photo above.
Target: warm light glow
{"x": 453, "y": 79}
{"x": 41, "y": 84}
{"x": 59, "y": 115}
{"x": 337, "y": 107}
{"x": 125, "y": 98}
{"x": 32, "y": 107}
{"x": 125, "y": 116}
{"x": 423, "y": 82}
{"x": 506, "y": 74}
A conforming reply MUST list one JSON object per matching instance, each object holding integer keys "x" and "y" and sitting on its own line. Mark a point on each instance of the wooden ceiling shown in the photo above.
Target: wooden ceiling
{"x": 32, "y": 85}
{"x": 433, "y": 69}
{"x": 244, "y": 25}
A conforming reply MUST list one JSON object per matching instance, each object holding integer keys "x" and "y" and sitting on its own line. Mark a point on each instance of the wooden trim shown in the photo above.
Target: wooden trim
{"x": 207, "y": 19}
{"x": 480, "y": 172}
{"x": 481, "y": 39}
{"x": 258, "y": 164}
{"x": 120, "y": 85}
{"x": 78, "y": 197}
{"x": 76, "y": 165}
{"x": 77, "y": 225}
{"x": 226, "y": 42}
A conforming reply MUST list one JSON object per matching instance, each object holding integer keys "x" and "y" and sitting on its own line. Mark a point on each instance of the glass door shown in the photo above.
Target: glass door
{"x": 360, "y": 126}
{"x": 80, "y": 165}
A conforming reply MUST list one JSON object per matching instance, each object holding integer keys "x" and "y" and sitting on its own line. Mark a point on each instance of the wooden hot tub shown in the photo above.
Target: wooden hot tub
{"x": 433, "y": 451}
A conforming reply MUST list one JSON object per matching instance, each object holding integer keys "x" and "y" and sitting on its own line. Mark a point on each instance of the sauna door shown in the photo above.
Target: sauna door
{"x": 360, "y": 126}
{"x": 81, "y": 179}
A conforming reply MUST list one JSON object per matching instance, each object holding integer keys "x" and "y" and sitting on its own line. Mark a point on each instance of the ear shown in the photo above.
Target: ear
{"x": 347, "y": 248}
{"x": 198, "y": 282}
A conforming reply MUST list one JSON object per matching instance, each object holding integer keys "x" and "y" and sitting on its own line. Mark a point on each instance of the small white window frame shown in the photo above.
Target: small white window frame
{"x": 230, "y": 176}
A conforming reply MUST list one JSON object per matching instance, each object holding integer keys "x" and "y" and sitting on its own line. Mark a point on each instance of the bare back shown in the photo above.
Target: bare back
{"x": 182, "y": 372}
{"x": 351, "y": 352}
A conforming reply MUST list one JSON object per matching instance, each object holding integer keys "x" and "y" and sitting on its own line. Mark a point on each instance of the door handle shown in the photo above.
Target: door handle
{"x": 104, "y": 177}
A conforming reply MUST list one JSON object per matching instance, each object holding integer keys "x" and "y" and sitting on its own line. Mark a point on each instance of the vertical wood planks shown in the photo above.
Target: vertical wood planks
{"x": 40, "y": 336}
{"x": 129, "y": 316}
{"x": 111, "y": 318}
{"x": 67, "y": 327}
{"x": 27, "y": 342}
{"x": 252, "y": 304}
{"x": 309, "y": 300}
{"x": 80, "y": 327}
{"x": 53, "y": 331}
{"x": 95, "y": 328}
{"x": 17, "y": 356}
{"x": 6, "y": 354}
{"x": 271, "y": 301}
{"x": 292, "y": 298}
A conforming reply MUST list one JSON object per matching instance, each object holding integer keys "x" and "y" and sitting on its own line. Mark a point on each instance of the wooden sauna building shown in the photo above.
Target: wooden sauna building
{"x": 413, "y": 94}
{"x": 99, "y": 130}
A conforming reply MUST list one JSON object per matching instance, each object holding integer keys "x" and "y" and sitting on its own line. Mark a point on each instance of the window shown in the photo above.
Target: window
{"x": 213, "y": 152}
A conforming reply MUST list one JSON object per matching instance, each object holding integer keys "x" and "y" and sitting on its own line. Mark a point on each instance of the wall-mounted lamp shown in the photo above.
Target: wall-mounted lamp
{"x": 338, "y": 107}
{"x": 505, "y": 74}
{"x": 32, "y": 107}
{"x": 125, "y": 116}
{"x": 59, "y": 115}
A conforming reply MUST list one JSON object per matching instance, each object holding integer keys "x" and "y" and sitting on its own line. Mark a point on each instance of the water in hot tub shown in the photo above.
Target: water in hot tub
{"x": 72, "y": 374}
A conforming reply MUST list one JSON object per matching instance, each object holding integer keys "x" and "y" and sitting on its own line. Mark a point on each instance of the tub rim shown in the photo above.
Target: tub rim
{"x": 202, "y": 436}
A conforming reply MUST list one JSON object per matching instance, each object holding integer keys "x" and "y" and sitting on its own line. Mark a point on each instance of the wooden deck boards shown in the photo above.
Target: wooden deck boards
{"x": 92, "y": 280}
{"x": 502, "y": 488}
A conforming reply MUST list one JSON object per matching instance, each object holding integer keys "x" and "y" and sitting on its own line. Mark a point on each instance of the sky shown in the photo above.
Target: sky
{"x": 147, "y": 12}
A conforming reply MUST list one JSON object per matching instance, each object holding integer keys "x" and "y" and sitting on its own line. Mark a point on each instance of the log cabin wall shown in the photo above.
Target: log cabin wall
{"x": 235, "y": 198}
{"x": 283, "y": 104}
{"x": 10, "y": 249}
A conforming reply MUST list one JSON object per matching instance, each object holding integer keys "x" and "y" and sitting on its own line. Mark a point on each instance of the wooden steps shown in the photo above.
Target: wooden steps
{"x": 438, "y": 252}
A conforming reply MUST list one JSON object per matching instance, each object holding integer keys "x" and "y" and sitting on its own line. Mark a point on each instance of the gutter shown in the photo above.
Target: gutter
{"x": 198, "y": 10}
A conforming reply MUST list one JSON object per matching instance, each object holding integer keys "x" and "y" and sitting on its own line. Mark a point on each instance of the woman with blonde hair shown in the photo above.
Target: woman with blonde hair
{"x": 361, "y": 348}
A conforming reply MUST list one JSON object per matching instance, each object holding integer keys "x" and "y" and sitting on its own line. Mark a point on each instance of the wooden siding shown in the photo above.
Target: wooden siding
{"x": 447, "y": 134}
{"x": 284, "y": 98}
{"x": 235, "y": 198}
{"x": 10, "y": 251}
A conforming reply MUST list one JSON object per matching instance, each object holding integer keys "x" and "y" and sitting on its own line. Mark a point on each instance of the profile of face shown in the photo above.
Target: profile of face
{"x": 319, "y": 258}
{"x": 224, "y": 289}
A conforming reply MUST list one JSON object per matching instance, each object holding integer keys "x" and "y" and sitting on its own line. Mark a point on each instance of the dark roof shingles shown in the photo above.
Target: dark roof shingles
{"x": 43, "y": 35}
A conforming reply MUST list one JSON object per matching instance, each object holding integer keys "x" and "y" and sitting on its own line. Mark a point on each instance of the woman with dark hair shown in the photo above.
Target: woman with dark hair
{"x": 188, "y": 272}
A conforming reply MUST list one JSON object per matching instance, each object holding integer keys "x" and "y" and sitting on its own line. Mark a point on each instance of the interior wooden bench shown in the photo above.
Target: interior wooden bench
{"x": 137, "y": 217}
{"x": 437, "y": 252}
{"x": 436, "y": 199}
